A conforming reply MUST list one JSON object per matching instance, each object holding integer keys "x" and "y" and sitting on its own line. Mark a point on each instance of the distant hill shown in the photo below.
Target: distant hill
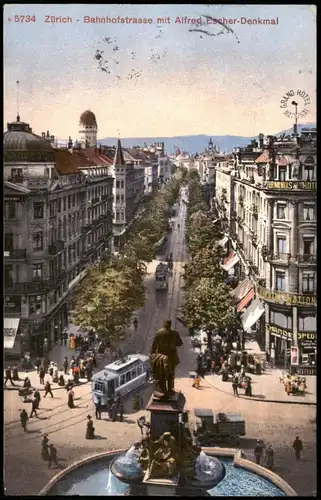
{"x": 192, "y": 143}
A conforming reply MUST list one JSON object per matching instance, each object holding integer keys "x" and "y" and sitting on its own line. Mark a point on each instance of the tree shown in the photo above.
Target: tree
{"x": 208, "y": 306}
{"x": 201, "y": 232}
{"x": 204, "y": 264}
{"x": 106, "y": 300}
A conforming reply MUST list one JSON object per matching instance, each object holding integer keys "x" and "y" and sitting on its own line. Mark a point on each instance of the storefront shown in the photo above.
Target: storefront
{"x": 280, "y": 342}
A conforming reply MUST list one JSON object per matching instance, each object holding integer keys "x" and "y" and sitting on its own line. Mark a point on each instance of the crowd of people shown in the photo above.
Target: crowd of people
{"x": 293, "y": 384}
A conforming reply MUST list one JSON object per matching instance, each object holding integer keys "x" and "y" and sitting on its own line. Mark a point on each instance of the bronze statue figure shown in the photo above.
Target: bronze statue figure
{"x": 164, "y": 357}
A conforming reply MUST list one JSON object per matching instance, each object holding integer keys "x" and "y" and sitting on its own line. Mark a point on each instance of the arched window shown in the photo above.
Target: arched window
{"x": 308, "y": 173}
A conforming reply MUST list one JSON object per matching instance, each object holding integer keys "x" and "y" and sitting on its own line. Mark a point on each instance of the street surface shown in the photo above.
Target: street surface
{"x": 278, "y": 424}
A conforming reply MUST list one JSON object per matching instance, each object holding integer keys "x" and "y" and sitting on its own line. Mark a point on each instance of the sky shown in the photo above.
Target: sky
{"x": 228, "y": 81}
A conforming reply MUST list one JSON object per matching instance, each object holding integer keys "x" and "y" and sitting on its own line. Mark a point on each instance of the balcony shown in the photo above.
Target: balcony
{"x": 284, "y": 257}
{"x": 241, "y": 201}
{"x": 107, "y": 197}
{"x": 56, "y": 247}
{"x": 17, "y": 254}
{"x": 95, "y": 200}
{"x": 86, "y": 229}
{"x": 96, "y": 222}
{"x": 37, "y": 286}
{"x": 255, "y": 211}
{"x": 280, "y": 297}
{"x": 102, "y": 217}
{"x": 307, "y": 259}
{"x": 240, "y": 220}
{"x": 17, "y": 179}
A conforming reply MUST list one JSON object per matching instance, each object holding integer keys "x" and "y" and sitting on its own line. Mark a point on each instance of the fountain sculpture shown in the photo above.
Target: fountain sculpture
{"x": 166, "y": 461}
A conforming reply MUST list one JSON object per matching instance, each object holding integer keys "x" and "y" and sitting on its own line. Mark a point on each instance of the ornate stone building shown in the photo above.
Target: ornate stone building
{"x": 272, "y": 232}
{"x": 58, "y": 207}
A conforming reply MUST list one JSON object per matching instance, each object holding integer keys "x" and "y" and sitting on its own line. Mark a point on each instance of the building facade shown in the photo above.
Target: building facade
{"x": 88, "y": 129}
{"x": 272, "y": 230}
{"x": 58, "y": 207}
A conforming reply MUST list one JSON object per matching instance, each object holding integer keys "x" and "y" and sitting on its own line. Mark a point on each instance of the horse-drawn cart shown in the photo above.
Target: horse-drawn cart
{"x": 215, "y": 428}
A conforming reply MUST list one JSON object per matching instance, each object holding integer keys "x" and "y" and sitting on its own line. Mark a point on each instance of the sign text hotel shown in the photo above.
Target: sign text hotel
{"x": 286, "y": 298}
{"x": 290, "y": 185}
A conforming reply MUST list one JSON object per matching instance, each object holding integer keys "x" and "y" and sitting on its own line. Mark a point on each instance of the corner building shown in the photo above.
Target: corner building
{"x": 273, "y": 239}
{"x": 58, "y": 210}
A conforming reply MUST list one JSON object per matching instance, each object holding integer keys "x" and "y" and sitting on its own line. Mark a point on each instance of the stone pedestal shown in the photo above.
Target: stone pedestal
{"x": 161, "y": 487}
{"x": 164, "y": 415}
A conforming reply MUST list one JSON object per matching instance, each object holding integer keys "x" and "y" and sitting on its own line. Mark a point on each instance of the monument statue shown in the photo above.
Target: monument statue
{"x": 164, "y": 357}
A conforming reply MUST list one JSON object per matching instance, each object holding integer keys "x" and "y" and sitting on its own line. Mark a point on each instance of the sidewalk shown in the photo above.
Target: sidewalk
{"x": 35, "y": 382}
{"x": 267, "y": 387}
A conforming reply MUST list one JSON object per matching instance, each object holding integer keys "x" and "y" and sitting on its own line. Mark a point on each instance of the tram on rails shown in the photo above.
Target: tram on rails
{"x": 120, "y": 378}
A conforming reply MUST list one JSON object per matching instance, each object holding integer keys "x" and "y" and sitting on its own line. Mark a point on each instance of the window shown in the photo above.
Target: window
{"x": 134, "y": 373}
{"x": 16, "y": 172}
{"x": 69, "y": 202}
{"x": 117, "y": 216}
{"x": 117, "y": 198}
{"x": 281, "y": 244}
{"x": 38, "y": 210}
{"x": 281, "y": 210}
{"x": 282, "y": 173}
{"x": 59, "y": 206}
{"x": 37, "y": 240}
{"x": 281, "y": 319}
{"x": 35, "y": 304}
{"x": 307, "y": 322}
{"x": 122, "y": 184}
{"x": 117, "y": 184}
{"x": 73, "y": 200}
{"x": 10, "y": 209}
{"x": 128, "y": 377}
{"x": 308, "y": 171}
{"x": 122, "y": 379}
{"x": 139, "y": 370}
{"x": 37, "y": 272}
{"x": 65, "y": 203}
{"x": 308, "y": 211}
{"x": 308, "y": 245}
{"x": 99, "y": 386}
{"x": 308, "y": 283}
{"x": 280, "y": 281}
{"x": 8, "y": 242}
{"x": 8, "y": 275}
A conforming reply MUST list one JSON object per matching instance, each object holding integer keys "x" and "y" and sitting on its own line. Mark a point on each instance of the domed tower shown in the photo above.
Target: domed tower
{"x": 88, "y": 129}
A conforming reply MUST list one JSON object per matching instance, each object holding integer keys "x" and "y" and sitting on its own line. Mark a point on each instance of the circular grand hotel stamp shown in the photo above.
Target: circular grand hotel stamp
{"x": 295, "y": 101}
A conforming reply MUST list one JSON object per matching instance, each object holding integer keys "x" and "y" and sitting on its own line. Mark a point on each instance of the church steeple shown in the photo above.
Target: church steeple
{"x": 210, "y": 144}
{"x": 119, "y": 155}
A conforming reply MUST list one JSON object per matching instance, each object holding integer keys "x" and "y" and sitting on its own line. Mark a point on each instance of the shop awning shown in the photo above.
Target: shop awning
{"x": 244, "y": 302}
{"x": 10, "y": 329}
{"x": 223, "y": 241}
{"x": 252, "y": 314}
{"x": 242, "y": 289}
{"x": 230, "y": 261}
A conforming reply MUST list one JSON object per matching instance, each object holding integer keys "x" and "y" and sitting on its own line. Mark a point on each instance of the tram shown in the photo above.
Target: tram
{"x": 120, "y": 378}
{"x": 161, "y": 276}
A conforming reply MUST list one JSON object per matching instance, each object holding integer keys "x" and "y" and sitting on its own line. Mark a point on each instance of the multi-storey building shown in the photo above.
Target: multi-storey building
{"x": 148, "y": 162}
{"x": 57, "y": 219}
{"x": 88, "y": 129}
{"x": 273, "y": 235}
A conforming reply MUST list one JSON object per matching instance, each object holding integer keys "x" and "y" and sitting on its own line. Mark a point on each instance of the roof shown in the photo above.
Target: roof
{"x": 119, "y": 156}
{"x": 20, "y": 144}
{"x": 88, "y": 118}
{"x": 263, "y": 158}
{"x": 70, "y": 163}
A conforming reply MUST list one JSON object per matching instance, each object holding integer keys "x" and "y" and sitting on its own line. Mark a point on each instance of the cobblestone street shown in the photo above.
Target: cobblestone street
{"x": 275, "y": 423}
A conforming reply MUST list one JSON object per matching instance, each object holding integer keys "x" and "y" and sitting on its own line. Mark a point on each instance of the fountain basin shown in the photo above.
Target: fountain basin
{"x": 91, "y": 476}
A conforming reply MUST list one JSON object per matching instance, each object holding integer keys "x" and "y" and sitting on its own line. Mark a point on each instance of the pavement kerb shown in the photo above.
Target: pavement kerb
{"x": 41, "y": 389}
{"x": 253, "y": 398}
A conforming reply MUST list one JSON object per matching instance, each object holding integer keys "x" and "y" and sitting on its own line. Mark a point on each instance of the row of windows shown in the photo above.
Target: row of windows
{"x": 307, "y": 322}
{"x": 119, "y": 184}
{"x": 308, "y": 245}
{"x": 130, "y": 375}
{"x": 308, "y": 282}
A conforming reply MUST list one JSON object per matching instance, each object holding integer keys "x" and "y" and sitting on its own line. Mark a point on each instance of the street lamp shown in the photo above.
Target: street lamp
{"x": 295, "y": 104}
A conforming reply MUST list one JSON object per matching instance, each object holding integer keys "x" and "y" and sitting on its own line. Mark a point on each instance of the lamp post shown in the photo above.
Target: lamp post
{"x": 295, "y": 104}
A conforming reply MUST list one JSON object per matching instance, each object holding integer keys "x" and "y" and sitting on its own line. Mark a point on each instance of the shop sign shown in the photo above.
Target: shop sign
{"x": 286, "y": 298}
{"x": 294, "y": 356}
{"x": 307, "y": 338}
{"x": 282, "y": 333}
{"x": 12, "y": 304}
{"x": 290, "y": 185}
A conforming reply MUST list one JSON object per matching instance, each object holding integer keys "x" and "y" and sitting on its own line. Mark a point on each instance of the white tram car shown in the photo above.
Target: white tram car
{"x": 120, "y": 377}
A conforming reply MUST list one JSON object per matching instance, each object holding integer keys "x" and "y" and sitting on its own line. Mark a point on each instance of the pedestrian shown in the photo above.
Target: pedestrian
{"x": 235, "y": 384}
{"x": 51, "y": 370}
{"x": 248, "y": 389}
{"x": 243, "y": 341}
{"x": 37, "y": 398}
{"x": 94, "y": 361}
{"x": 46, "y": 364}
{"x": 48, "y": 389}
{"x": 61, "y": 338}
{"x": 114, "y": 412}
{"x": 269, "y": 457}
{"x": 258, "y": 451}
{"x": 24, "y": 419}
{"x": 65, "y": 338}
{"x": 15, "y": 374}
{"x": 98, "y": 408}
{"x": 38, "y": 364}
{"x": 90, "y": 431}
{"x": 8, "y": 376}
{"x": 298, "y": 447}
{"x": 135, "y": 323}
{"x": 52, "y": 455}
{"x": 34, "y": 408}
{"x": 44, "y": 448}
{"x": 213, "y": 366}
{"x": 42, "y": 375}
{"x": 71, "y": 395}
{"x": 121, "y": 412}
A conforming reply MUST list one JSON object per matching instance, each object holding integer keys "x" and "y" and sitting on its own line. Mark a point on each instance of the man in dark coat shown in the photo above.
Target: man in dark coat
{"x": 164, "y": 357}
{"x": 37, "y": 397}
{"x": 298, "y": 447}
{"x": 8, "y": 376}
{"x": 24, "y": 419}
{"x": 48, "y": 389}
{"x": 34, "y": 408}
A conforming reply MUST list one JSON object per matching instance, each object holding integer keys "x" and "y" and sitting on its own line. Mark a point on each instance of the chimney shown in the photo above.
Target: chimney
{"x": 47, "y": 134}
{"x": 261, "y": 140}
{"x": 99, "y": 149}
{"x": 52, "y": 139}
{"x": 70, "y": 145}
{"x": 43, "y": 134}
